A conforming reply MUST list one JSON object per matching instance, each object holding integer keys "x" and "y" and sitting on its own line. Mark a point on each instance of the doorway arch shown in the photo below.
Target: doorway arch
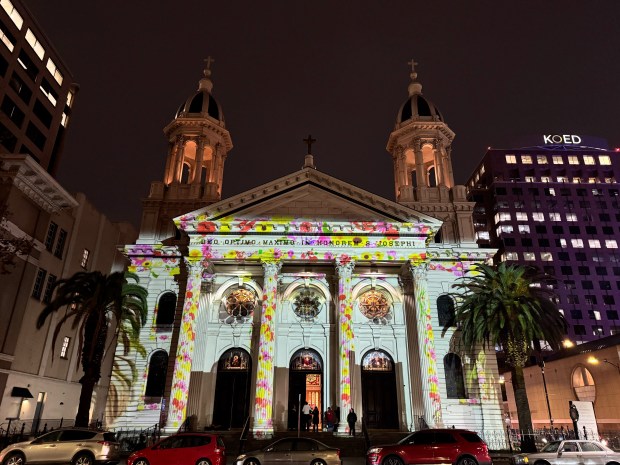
{"x": 379, "y": 396}
{"x": 231, "y": 406}
{"x": 305, "y": 382}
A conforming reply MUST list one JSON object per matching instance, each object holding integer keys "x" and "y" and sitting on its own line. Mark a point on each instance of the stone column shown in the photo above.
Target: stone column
{"x": 345, "y": 334}
{"x": 438, "y": 162}
{"x": 263, "y": 407}
{"x": 185, "y": 346}
{"x": 200, "y": 150}
{"x": 169, "y": 161}
{"x": 426, "y": 343}
{"x": 447, "y": 165}
{"x": 420, "y": 174}
{"x": 178, "y": 162}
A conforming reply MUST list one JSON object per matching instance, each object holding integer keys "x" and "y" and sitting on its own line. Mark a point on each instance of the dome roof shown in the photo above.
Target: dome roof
{"x": 416, "y": 107}
{"x": 200, "y": 104}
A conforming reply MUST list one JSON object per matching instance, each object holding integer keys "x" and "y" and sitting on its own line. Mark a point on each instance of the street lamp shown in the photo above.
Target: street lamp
{"x": 592, "y": 360}
{"x": 542, "y": 371}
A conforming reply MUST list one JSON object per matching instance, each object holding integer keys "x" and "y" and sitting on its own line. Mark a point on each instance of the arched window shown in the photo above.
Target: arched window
{"x": 377, "y": 360}
{"x": 432, "y": 177}
{"x": 455, "y": 383}
{"x": 445, "y": 310}
{"x": 166, "y": 309}
{"x": 156, "y": 379}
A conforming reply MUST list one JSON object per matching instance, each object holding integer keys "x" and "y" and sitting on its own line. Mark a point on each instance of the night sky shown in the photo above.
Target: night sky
{"x": 496, "y": 70}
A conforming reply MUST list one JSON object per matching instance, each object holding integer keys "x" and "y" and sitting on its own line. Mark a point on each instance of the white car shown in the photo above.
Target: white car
{"x": 570, "y": 452}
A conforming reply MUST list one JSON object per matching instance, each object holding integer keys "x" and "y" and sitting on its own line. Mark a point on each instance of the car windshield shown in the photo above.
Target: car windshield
{"x": 406, "y": 439}
{"x": 551, "y": 447}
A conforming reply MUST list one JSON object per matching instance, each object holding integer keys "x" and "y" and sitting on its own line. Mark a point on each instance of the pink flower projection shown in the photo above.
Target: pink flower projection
{"x": 344, "y": 267}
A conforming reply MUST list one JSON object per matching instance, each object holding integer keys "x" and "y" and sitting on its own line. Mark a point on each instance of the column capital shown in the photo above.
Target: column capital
{"x": 418, "y": 270}
{"x": 417, "y": 144}
{"x": 272, "y": 267}
{"x": 195, "y": 265}
{"x": 344, "y": 266}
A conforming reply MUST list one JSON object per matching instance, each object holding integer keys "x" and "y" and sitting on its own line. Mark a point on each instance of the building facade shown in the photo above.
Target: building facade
{"x": 37, "y": 90}
{"x": 555, "y": 206}
{"x": 306, "y": 288}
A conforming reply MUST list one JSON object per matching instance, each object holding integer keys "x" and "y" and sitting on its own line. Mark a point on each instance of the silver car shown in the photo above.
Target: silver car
{"x": 72, "y": 445}
{"x": 570, "y": 452}
{"x": 292, "y": 451}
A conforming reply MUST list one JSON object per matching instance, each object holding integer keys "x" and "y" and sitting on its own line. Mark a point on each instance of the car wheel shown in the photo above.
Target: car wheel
{"x": 141, "y": 461}
{"x": 318, "y": 462}
{"x": 83, "y": 459}
{"x": 467, "y": 461}
{"x": 392, "y": 460}
{"x": 16, "y": 458}
{"x": 251, "y": 461}
{"x": 203, "y": 462}
{"x": 541, "y": 462}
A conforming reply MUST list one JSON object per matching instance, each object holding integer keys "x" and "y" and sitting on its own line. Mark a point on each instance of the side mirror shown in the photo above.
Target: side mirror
{"x": 269, "y": 449}
{"x": 559, "y": 453}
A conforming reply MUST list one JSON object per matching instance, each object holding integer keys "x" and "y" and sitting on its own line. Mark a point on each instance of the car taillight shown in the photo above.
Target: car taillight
{"x": 218, "y": 451}
{"x": 105, "y": 443}
{"x": 338, "y": 452}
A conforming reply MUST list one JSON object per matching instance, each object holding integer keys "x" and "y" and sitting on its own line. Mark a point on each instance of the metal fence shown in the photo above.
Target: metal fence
{"x": 15, "y": 430}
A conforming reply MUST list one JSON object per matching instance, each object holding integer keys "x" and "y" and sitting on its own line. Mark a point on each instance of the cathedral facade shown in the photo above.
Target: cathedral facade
{"x": 304, "y": 289}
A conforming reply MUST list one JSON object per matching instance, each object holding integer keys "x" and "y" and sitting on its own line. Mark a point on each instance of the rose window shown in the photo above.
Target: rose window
{"x": 240, "y": 303}
{"x": 374, "y": 305}
{"x": 307, "y": 304}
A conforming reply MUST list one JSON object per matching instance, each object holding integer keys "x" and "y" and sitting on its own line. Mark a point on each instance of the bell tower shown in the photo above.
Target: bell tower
{"x": 421, "y": 147}
{"x": 198, "y": 146}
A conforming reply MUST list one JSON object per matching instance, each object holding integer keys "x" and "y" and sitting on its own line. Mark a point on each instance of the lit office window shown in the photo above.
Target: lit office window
{"x": 604, "y": 159}
{"x": 85, "y": 257}
{"x": 524, "y": 228}
{"x": 530, "y": 179}
{"x": 589, "y": 160}
{"x": 12, "y": 12}
{"x": 555, "y": 216}
{"x": 502, "y": 216}
{"x": 505, "y": 229}
{"x": 511, "y": 159}
{"x": 7, "y": 39}
{"x": 35, "y": 44}
{"x": 611, "y": 244}
{"x": 483, "y": 235}
{"x": 541, "y": 159}
{"x": 521, "y": 216}
{"x": 510, "y": 256}
{"x": 538, "y": 216}
{"x": 562, "y": 179}
{"x": 54, "y": 71}
{"x": 529, "y": 256}
{"x": 592, "y": 180}
{"x": 610, "y": 180}
{"x": 545, "y": 179}
{"x": 576, "y": 180}
{"x": 49, "y": 92}
{"x": 571, "y": 217}
{"x": 70, "y": 97}
{"x": 577, "y": 243}
{"x": 557, "y": 160}
{"x": 563, "y": 243}
{"x": 526, "y": 159}
{"x": 64, "y": 119}
{"x": 546, "y": 256}
{"x": 573, "y": 160}
{"x": 65, "y": 347}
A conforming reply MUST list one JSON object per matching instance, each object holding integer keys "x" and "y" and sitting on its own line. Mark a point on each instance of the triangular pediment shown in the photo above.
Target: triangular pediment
{"x": 308, "y": 193}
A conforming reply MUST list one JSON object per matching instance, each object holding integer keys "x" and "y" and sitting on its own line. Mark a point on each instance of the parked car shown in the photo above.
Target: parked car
{"x": 570, "y": 452}
{"x": 78, "y": 446}
{"x": 183, "y": 449}
{"x": 433, "y": 446}
{"x": 292, "y": 451}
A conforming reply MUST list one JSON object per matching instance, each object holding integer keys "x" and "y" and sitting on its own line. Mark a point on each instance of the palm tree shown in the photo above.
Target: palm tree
{"x": 95, "y": 302}
{"x": 509, "y": 306}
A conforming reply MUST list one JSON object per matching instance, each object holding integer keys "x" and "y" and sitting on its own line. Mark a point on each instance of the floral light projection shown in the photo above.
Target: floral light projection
{"x": 427, "y": 342}
{"x": 263, "y": 408}
{"x": 185, "y": 347}
{"x": 373, "y": 304}
{"x": 345, "y": 268}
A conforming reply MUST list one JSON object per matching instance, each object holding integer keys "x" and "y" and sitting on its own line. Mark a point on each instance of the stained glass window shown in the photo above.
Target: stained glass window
{"x": 306, "y": 359}
{"x": 373, "y": 304}
{"x": 307, "y": 304}
{"x": 240, "y": 303}
{"x": 235, "y": 359}
{"x": 377, "y": 360}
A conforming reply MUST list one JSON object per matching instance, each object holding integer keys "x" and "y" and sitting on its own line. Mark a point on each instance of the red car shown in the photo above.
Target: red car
{"x": 183, "y": 449}
{"x": 433, "y": 446}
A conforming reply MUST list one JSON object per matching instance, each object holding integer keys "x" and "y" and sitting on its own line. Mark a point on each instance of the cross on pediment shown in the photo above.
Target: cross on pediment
{"x": 413, "y": 64}
{"x": 309, "y": 141}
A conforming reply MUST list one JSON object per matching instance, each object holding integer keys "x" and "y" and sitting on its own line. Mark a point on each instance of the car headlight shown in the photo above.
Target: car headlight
{"x": 241, "y": 457}
{"x": 374, "y": 450}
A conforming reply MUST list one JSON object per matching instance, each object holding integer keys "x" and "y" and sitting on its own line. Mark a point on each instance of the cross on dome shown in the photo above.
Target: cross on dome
{"x": 413, "y": 64}
{"x": 309, "y": 141}
{"x": 208, "y": 61}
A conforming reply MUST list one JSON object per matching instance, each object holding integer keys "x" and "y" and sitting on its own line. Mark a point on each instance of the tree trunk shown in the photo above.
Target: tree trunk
{"x": 86, "y": 395}
{"x": 523, "y": 410}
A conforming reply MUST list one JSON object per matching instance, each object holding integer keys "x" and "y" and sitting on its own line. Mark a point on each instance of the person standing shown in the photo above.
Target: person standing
{"x": 315, "y": 420}
{"x": 351, "y": 420}
{"x": 329, "y": 419}
{"x": 305, "y": 416}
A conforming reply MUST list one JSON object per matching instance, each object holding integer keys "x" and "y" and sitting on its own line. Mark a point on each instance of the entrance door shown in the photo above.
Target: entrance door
{"x": 305, "y": 382}
{"x": 232, "y": 390}
{"x": 379, "y": 396}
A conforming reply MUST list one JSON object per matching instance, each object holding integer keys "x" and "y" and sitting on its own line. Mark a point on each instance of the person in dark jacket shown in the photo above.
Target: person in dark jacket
{"x": 315, "y": 420}
{"x": 351, "y": 420}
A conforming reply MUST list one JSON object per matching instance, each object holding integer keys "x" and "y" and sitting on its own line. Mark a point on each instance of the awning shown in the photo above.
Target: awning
{"x": 21, "y": 392}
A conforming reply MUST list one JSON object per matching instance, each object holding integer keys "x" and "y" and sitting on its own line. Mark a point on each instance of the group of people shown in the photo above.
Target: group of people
{"x": 310, "y": 418}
